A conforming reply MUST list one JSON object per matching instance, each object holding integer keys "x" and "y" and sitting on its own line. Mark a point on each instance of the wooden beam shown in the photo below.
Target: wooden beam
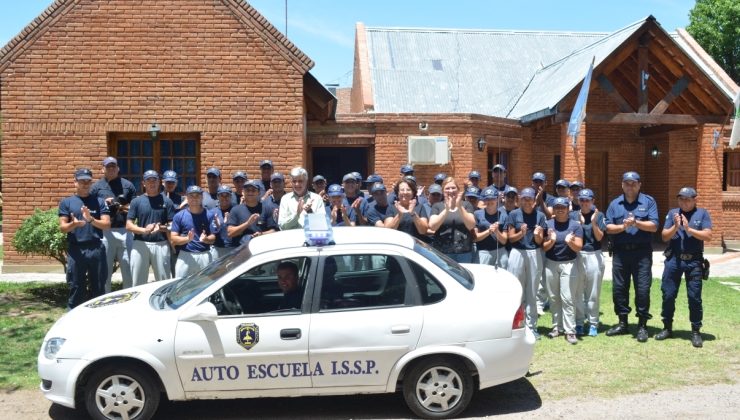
{"x": 659, "y": 129}
{"x": 605, "y": 84}
{"x": 642, "y": 70}
{"x": 645, "y": 119}
{"x": 676, "y": 90}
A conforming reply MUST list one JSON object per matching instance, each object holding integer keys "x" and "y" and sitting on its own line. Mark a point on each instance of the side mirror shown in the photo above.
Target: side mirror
{"x": 203, "y": 312}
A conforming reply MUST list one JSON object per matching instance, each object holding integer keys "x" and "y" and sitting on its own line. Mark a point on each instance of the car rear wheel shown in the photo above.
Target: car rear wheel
{"x": 438, "y": 388}
{"x": 124, "y": 392}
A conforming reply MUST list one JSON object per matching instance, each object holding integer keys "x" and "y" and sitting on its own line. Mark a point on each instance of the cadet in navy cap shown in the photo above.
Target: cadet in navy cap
{"x": 372, "y": 179}
{"x": 526, "y": 227}
{"x": 213, "y": 181}
{"x": 83, "y": 217}
{"x": 407, "y": 170}
{"x": 686, "y": 228}
{"x": 511, "y": 201}
{"x": 575, "y": 188}
{"x": 220, "y": 215}
{"x": 339, "y": 212}
{"x": 169, "y": 182}
{"x": 472, "y": 195}
{"x": 490, "y": 235}
{"x": 276, "y": 191}
{"x": 354, "y": 197}
{"x": 380, "y": 209}
{"x": 251, "y": 218}
{"x": 434, "y": 195}
{"x": 192, "y": 234}
{"x": 440, "y": 178}
{"x": 238, "y": 179}
{"x": 543, "y": 198}
{"x": 562, "y": 189}
{"x": 499, "y": 181}
{"x": 318, "y": 185}
{"x": 474, "y": 178}
{"x": 631, "y": 220}
{"x": 266, "y": 171}
{"x": 148, "y": 219}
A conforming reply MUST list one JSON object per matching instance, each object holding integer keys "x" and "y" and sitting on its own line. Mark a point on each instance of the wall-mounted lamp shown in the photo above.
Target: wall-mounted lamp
{"x": 423, "y": 126}
{"x": 481, "y": 144}
{"x": 715, "y": 139}
{"x": 654, "y": 152}
{"x": 154, "y": 131}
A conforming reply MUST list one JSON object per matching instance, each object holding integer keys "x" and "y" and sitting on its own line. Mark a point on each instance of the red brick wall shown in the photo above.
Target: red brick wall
{"x": 116, "y": 66}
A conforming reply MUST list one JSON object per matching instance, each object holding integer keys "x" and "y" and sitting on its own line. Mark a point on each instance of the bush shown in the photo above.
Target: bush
{"x": 39, "y": 234}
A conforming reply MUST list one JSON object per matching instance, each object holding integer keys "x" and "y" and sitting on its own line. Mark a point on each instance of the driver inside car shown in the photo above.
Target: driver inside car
{"x": 287, "y": 279}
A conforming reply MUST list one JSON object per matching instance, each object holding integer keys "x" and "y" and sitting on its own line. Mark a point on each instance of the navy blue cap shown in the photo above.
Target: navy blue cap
{"x": 585, "y": 194}
{"x": 577, "y": 184}
{"x": 562, "y": 183}
{"x": 357, "y": 175}
{"x": 253, "y": 183}
{"x": 169, "y": 176}
{"x": 631, "y": 176}
{"x": 318, "y": 178}
{"x": 440, "y": 177}
{"x": 410, "y": 178}
{"x": 150, "y": 174}
{"x": 560, "y": 202}
{"x": 223, "y": 189}
{"x": 435, "y": 189}
{"x": 349, "y": 177}
{"x": 472, "y": 192}
{"x": 110, "y": 160}
{"x": 686, "y": 192}
{"x": 277, "y": 175}
{"x": 407, "y": 169}
{"x": 266, "y": 162}
{"x": 83, "y": 174}
{"x": 489, "y": 194}
{"x": 509, "y": 189}
{"x": 194, "y": 189}
{"x": 240, "y": 174}
{"x": 378, "y": 186}
{"x": 213, "y": 171}
{"x": 374, "y": 178}
{"x": 539, "y": 176}
{"x": 335, "y": 190}
{"x": 474, "y": 174}
{"x": 528, "y": 193}
{"x": 498, "y": 167}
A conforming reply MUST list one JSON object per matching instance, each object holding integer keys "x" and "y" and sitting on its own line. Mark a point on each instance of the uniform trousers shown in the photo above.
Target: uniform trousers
{"x": 145, "y": 254}
{"x": 191, "y": 262}
{"x": 591, "y": 274}
{"x": 562, "y": 285}
{"x": 86, "y": 263}
{"x": 526, "y": 265}
{"x": 118, "y": 243}
{"x": 219, "y": 251}
{"x": 632, "y": 265}
{"x": 496, "y": 257}
{"x": 674, "y": 269}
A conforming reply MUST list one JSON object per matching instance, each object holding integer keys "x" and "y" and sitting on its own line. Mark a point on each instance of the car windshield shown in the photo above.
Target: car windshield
{"x": 184, "y": 289}
{"x": 450, "y": 266}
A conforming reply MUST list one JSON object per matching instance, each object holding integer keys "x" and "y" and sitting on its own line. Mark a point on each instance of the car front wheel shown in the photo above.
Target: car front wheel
{"x": 121, "y": 393}
{"x": 438, "y": 388}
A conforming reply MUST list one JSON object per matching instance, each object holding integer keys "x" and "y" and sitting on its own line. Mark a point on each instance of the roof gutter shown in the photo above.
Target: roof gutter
{"x": 543, "y": 113}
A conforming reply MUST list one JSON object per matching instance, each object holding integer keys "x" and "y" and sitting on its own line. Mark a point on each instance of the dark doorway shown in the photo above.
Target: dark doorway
{"x": 334, "y": 162}
{"x": 597, "y": 170}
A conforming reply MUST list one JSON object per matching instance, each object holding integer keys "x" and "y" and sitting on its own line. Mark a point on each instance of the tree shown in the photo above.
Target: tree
{"x": 715, "y": 24}
{"x": 39, "y": 234}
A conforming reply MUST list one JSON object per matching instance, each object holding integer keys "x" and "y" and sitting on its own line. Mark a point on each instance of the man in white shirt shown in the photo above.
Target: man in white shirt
{"x": 294, "y": 204}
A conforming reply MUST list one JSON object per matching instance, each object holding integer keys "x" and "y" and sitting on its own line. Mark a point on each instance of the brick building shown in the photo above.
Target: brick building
{"x": 88, "y": 79}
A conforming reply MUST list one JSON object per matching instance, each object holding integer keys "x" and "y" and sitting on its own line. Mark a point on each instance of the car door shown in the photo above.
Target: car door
{"x": 263, "y": 347}
{"x": 364, "y": 318}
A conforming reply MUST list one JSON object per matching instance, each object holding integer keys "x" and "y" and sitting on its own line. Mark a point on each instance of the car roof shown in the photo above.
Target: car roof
{"x": 360, "y": 235}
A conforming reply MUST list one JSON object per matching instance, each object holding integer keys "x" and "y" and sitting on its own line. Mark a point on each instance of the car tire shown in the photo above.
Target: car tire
{"x": 438, "y": 388}
{"x": 121, "y": 392}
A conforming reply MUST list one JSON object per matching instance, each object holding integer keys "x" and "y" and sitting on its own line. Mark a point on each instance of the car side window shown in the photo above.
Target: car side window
{"x": 430, "y": 289}
{"x": 274, "y": 287}
{"x": 362, "y": 281}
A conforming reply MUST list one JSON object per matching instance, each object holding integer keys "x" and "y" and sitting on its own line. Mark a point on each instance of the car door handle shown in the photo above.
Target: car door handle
{"x": 400, "y": 329}
{"x": 290, "y": 334}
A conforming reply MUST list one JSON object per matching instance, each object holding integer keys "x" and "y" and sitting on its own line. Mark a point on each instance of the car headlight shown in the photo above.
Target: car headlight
{"x": 53, "y": 346}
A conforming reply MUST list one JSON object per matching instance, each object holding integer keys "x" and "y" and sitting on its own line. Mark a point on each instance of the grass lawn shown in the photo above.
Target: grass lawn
{"x": 596, "y": 366}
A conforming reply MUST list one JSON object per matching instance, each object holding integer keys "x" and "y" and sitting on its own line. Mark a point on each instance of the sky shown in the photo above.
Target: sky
{"x": 325, "y": 29}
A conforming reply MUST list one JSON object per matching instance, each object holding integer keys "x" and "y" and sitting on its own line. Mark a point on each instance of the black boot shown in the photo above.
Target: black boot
{"x": 667, "y": 331}
{"x": 696, "y": 339}
{"x": 642, "y": 333}
{"x": 619, "y": 329}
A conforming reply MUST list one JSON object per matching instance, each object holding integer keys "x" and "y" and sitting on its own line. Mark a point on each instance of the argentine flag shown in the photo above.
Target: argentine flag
{"x": 579, "y": 110}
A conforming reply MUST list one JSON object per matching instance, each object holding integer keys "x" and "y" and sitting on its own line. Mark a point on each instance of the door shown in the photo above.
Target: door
{"x": 262, "y": 346}
{"x": 334, "y": 162}
{"x": 365, "y": 319}
{"x": 597, "y": 168}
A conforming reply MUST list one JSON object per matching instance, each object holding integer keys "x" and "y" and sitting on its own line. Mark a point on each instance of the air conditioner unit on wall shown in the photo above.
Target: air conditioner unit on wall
{"x": 428, "y": 150}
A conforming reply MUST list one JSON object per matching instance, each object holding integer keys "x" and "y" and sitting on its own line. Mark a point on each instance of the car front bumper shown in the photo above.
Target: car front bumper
{"x": 58, "y": 379}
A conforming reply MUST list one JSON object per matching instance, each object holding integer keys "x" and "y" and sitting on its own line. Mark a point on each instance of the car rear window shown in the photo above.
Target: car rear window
{"x": 450, "y": 266}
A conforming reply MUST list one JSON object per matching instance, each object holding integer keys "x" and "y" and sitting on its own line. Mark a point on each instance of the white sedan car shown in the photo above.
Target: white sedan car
{"x": 374, "y": 311}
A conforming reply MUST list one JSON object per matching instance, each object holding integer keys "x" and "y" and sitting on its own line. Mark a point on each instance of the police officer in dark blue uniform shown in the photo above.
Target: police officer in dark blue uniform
{"x": 631, "y": 219}
{"x": 686, "y": 227}
{"x": 83, "y": 217}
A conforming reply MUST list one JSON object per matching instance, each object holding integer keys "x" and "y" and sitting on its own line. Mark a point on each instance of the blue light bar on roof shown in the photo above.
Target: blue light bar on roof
{"x": 317, "y": 230}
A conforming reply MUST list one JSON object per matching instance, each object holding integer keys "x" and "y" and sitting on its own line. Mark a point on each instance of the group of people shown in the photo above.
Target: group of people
{"x": 551, "y": 243}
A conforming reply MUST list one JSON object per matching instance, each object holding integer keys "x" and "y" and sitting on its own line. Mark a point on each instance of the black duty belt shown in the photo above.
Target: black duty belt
{"x": 690, "y": 257}
{"x": 631, "y": 247}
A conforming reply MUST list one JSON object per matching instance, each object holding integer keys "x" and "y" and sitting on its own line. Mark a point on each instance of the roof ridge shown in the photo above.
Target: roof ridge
{"x": 487, "y": 31}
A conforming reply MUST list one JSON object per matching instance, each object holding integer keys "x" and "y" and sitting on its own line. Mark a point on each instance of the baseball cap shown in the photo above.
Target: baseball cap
{"x": 472, "y": 192}
{"x": 357, "y": 175}
{"x": 150, "y": 174}
{"x": 407, "y": 169}
{"x": 194, "y": 189}
{"x": 585, "y": 194}
{"x": 213, "y": 171}
{"x": 110, "y": 159}
{"x": 560, "y": 202}
{"x": 223, "y": 189}
{"x": 240, "y": 174}
{"x": 334, "y": 190}
{"x": 527, "y": 192}
{"x": 686, "y": 192}
{"x": 499, "y": 167}
{"x": 374, "y": 178}
{"x": 377, "y": 186}
{"x": 318, "y": 178}
{"x": 83, "y": 174}
{"x": 253, "y": 183}
{"x": 440, "y": 177}
{"x": 509, "y": 189}
{"x": 410, "y": 178}
{"x": 562, "y": 183}
{"x": 489, "y": 194}
{"x": 169, "y": 176}
{"x": 266, "y": 162}
{"x": 349, "y": 177}
{"x": 277, "y": 175}
{"x": 576, "y": 184}
{"x": 631, "y": 176}
{"x": 539, "y": 176}
{"x": 474, "y": 174}
{"x": 435, "y": 189}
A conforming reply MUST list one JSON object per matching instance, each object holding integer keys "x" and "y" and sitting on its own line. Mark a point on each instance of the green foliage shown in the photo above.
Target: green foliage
{"x": 39, "y": 234}
{"x": 715, "y": 24}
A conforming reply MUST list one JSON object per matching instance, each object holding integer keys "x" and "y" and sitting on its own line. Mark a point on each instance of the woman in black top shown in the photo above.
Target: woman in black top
{"x": 411, "y": 217}
{"x": 453, "y": 223}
